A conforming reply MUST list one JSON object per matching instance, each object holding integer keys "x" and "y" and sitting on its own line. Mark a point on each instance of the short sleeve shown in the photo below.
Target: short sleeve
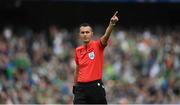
{"x": 100, "y": 44}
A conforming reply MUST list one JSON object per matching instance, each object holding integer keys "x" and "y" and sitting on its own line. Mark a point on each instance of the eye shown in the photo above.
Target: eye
{"x": 87, "y": 32}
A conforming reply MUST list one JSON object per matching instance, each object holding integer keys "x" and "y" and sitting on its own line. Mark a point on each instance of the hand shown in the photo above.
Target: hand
{"x": 114, "y": 19}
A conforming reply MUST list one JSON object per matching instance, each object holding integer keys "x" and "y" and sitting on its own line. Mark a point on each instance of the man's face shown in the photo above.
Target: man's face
{"x": 85, "y": 33}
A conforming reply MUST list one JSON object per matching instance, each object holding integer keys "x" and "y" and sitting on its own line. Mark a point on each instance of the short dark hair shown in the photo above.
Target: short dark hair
{"x": 85, "y": 25}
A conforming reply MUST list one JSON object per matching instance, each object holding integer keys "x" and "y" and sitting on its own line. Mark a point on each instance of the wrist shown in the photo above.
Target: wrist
{"x": 112, "y": 24}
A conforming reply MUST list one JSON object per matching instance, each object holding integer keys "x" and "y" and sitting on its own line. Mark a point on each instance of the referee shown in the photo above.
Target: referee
{"x": 88, "y": 87}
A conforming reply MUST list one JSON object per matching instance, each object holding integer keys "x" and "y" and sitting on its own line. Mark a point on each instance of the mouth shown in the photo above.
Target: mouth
{"x": 86, "y": 40}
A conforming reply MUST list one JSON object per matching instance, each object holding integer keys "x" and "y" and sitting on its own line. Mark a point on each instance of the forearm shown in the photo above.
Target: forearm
{"x": 105, "y": 37}
{"x": 112, "y": 23}
{"x": 76, "y": 75}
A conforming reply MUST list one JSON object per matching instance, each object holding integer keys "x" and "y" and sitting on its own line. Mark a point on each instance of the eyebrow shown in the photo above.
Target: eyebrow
{"x": 85, "y": 31}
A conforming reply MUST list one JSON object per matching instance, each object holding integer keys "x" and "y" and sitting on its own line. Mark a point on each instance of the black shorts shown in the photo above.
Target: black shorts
{"x": 89, "y": 93}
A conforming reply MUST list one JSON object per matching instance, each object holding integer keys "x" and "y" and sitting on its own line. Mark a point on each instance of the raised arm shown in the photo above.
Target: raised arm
{"x": 112, "y": 23}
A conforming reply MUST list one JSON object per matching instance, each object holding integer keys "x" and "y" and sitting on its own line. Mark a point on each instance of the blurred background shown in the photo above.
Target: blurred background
{"x": 38, "y": 38}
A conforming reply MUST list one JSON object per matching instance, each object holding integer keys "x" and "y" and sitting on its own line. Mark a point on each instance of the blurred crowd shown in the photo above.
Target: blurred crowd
{"x": 142, "y": 65}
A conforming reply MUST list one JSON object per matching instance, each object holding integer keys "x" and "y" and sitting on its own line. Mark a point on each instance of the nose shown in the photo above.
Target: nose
{"x": 85, "y": 33}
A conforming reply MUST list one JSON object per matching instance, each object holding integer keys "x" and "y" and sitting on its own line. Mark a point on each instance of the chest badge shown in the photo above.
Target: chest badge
{"x": 91, "y": 55}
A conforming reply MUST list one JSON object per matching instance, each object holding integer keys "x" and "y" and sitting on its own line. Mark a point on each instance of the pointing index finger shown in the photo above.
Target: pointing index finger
{"x": 115, "y": 13}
